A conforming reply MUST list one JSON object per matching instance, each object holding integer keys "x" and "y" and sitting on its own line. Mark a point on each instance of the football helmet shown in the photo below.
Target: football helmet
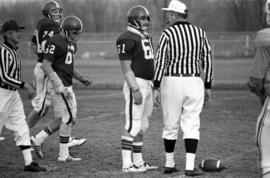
{"x": 72, "y": 26}
{"x": 138, "y": 17}
{"x": 52, "y": 10}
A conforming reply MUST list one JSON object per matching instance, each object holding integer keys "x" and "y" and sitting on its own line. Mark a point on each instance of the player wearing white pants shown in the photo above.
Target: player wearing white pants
{"x": 137, "y": 116}
{"x": 136, "y": 56}
{"x": 41, "y": 102}
{"x": 259, "y": 83}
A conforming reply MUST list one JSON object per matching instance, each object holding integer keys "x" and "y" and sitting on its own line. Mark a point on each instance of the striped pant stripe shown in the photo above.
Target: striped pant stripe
{"x": 260, "y": 123}
{"x": 69, "y": 110}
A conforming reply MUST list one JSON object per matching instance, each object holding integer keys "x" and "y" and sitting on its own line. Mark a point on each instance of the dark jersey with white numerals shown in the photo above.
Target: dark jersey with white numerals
{"x": 45, "y": 29}
{"x": 139, "y": 50}
{"x": 61, "y": 54}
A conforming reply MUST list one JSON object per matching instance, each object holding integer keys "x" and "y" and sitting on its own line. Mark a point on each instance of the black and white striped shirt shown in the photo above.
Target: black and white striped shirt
{"x": 183, "y": 48}
{"x": 10, "y": 68}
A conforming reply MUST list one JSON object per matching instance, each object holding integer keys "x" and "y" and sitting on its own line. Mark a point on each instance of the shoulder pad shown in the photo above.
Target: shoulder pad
{"x": 263, "y": 37}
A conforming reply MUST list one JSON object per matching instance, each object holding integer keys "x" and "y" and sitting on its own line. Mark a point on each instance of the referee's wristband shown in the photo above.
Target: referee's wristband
{"x": 22, "y": 85}
{"x": 156, "y": 84}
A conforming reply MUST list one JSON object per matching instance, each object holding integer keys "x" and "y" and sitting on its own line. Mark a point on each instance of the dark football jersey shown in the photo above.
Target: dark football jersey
{"x": 45, "y": 29}
{"x": 132, "y": 46}
{"x": 61, "y": 54}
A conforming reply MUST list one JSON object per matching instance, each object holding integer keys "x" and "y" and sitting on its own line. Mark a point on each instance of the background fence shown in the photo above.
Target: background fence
{"x": 102, "y": 45}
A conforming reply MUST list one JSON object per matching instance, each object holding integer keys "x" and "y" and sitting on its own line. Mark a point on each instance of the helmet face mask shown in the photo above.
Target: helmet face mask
{"x": 52, "y": 10}
{"x": 139, "y": 18}
{"x": 72, "y": 27}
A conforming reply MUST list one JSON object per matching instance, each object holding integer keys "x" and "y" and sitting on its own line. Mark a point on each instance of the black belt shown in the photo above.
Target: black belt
{"x": 8, "y": 87}
{"x": 182, "y": 75}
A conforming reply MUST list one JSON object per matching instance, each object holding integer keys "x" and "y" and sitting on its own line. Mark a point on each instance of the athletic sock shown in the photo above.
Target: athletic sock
{"x": 169, "y": 148}
{"x": 137, "y": 153}
{"x": 43, "y": 135}
{"x": 26, "y": 152}
{"x": 126, "y": 151}
{"x": 191, "y": 148}
{"x": 63, "y": 147}
{"x": 190, "y": 160}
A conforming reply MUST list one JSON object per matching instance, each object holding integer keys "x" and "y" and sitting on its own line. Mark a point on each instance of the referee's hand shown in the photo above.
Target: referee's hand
{"x": 156, "y": 97}
{"x": 207, "y": 96}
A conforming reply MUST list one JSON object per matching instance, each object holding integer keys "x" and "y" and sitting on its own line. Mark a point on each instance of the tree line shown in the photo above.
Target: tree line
{"x": 110, "y": 15}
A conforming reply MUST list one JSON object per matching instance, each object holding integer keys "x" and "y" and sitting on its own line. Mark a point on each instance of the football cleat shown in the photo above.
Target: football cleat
{"x": 37, "y": 148}
{"x": 68, "y": 159}
{"x": 147, "y": 166}
{"x": 76, "y": 141}
{"x": 193, "y": 173}
{"x": 34, "y": 167}
{"x": 170, "y": 170}
{"x": 134, "y": 169}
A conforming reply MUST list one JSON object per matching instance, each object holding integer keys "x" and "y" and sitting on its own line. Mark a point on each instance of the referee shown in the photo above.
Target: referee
{"x": 11, "y": 106}
{"x": 183, "y": 49}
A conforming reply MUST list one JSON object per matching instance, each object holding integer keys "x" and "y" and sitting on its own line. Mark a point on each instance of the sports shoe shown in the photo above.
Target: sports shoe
{"x": 76, "y": 141}
{"x": 170, "y": 170}
{"x": 147, "y": 166}
{"x": 34, "y": 167}
{"x": 68, "y": 159}
{"x": 134, "y": 169}
{"x": 193, "y": 173}
{"x": 37, "y": 148}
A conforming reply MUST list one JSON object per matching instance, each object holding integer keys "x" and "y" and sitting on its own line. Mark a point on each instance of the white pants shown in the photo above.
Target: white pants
{"x": 42, "y": 101}
{"x": 65, "y": 105}
{"x": 137, "y": 116}
{"x": 262, "y": 136}
{"x": 182, "y": 101}
{"x": 12, "y": 116}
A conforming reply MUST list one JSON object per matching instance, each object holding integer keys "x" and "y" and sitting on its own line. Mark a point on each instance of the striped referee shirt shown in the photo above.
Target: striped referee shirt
{"x": 10, "y": 68}
{"x": 183, "y": 49}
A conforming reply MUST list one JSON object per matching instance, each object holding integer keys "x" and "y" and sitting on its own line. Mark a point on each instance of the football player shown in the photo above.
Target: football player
{"x": 48, "y": 26}
{"x": 58, "y": 65}
{"x": 136, "y": 56}
{"x": 259, "y": 83}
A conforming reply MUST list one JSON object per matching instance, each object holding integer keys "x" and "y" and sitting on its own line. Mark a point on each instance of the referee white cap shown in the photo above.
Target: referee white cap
{"x": 176, "y": 6}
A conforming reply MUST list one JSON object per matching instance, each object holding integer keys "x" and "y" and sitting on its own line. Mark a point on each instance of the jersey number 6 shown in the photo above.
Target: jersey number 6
{"x": 148, "y": 49}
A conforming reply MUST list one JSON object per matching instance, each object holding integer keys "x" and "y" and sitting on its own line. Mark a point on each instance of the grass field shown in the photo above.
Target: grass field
{"x": 227, "y": 133}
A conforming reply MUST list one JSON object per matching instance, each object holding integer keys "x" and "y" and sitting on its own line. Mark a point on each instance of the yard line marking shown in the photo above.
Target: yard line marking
{"x": 237, "y": 97}
{"x": 97, "y": 96}
{"x": 101, "y": 116}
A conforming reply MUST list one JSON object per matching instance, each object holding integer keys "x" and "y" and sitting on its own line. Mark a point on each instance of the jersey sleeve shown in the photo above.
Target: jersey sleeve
{"x": 50, "y": 51}
{"x": 125, "y": 48}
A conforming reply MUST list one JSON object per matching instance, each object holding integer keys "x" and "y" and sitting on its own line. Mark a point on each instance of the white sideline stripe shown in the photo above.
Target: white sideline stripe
{"x": 237, "y": 97}
{"x": 97, "y": 96}
{"x": 100, "y": 116}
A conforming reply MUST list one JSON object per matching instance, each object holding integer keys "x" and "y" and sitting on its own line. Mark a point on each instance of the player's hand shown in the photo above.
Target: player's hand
{"x": 137, "y": 95}
{"x": 86, "y": 81}
{"x": 207, "y": 96}
{"x": 30, "y": 90}
{"x": 156, "y": 97}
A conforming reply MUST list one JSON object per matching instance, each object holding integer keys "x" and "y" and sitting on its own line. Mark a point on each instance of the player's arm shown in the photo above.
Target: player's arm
{"x": 125, "y": 48}
{"x": 131, "y": 81}
{"x": 80, "y": 77}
